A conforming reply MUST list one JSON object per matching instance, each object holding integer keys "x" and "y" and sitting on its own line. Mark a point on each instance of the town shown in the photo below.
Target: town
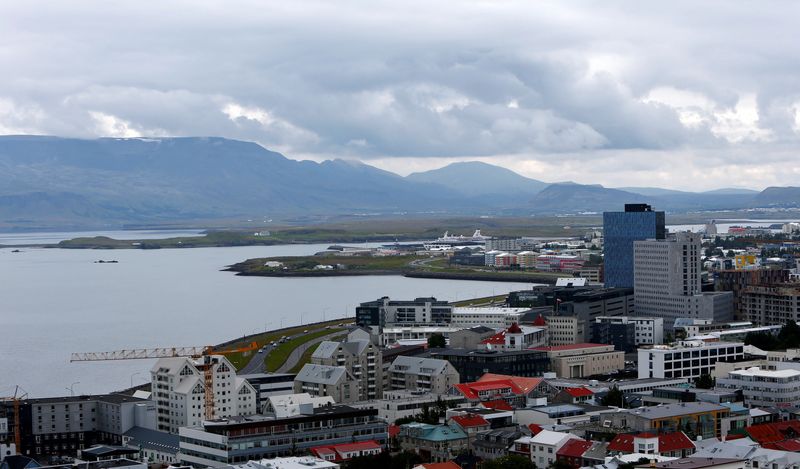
{"x": 649, "y": 347}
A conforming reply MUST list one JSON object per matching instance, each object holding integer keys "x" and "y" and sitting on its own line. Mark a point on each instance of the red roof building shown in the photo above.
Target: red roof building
{"x": 573, "y": 396}
{"x": 499, "y": 404}
{"x": 773, "y": 435}
{"x": 438, "y": 465}
{"x": 471, "y": 423}
{"x": 513, "y": 390}
{"x": 346, "y": 451}
{"x": 516, "y": 338}
{"x": 572, "y": 452}
{"x": 675, "y": 444}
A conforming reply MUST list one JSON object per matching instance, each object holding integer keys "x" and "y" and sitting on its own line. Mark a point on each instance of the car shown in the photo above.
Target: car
{"x": 305, "y": 331}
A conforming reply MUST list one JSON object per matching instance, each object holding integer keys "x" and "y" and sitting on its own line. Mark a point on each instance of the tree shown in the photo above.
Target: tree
{"x": 437, "y": 341}
{"x": 614, "y": 397}
{"x": 789, "y": 336}
{"x": 705, "y": 381}
{"x": 512, "y": 461}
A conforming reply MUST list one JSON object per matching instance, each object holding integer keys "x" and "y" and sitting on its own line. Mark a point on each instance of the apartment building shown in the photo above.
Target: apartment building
{"x": 63, "y": 426}
{"x": 667, "y": 281}
{"x": 400, "y": 404}
{"x": 422, "y": 374}
{"x": 420, "y": 311}
{"x": 586, "y": 359}
{"x": 686, "y": 359}
{"x": 326, "y": 380}
{"x": 772, "y": 304}
{"x": 179, "y": 387}
{"x": 361, "y": 358}
{"x": 737, "y": 281}
{"x": 764, "y": 388}
{"x": 240, "y": 439}
{"x": 627, "y": 332}
{"x": 566, "y": 330}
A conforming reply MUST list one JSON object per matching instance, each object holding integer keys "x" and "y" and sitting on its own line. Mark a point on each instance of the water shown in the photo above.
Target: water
{"x": 53, "y": 237}
{"x": 57, "y": 301}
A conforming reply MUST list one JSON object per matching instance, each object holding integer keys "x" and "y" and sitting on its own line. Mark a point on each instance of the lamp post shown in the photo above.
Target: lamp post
{"x": 71, "y": 388}
{"x": 134, "y": 374}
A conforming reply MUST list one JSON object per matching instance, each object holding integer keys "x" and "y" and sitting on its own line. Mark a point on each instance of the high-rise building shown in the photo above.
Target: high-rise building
{"x": 620, "y": 230}
{"x": 667, "y": 281}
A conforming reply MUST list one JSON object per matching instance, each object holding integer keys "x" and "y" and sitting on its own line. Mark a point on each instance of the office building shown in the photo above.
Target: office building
{"x": 764, "y": 388}
{"x": 420, "y": 311}
{"x": 667, "y": 282}
{"x": 686, "y": 359}
{"x": 771, "y": 304}
{"x": 422, "y": 374}
{"x": 516, "y": 337}
{"x": 626, "y": 333}
{"x": 241, "y": 439}
{"x": 620, "y": 230}
{"x": 472, "y": 364}
{"x": 566, "y": 330}
{"x": 179, "y": 391}
{"x": 494, "y": 317}
{"x": 585, "y": 359}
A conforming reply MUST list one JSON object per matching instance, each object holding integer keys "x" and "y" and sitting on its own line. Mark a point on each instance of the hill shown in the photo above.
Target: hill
{"x": 474, "y": 178}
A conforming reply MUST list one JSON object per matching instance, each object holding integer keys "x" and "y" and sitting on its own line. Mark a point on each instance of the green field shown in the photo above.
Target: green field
{"x": 278, "y": 355}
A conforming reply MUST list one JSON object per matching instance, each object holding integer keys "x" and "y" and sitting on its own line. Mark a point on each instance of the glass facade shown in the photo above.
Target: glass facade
{"x": 620, "y": 230}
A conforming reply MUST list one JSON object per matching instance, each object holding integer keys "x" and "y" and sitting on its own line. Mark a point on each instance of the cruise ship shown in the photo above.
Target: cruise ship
{"x": 447, "y": 241}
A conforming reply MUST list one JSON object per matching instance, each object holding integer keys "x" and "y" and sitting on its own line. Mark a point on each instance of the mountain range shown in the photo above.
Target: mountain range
{"x": 52, "y": 182}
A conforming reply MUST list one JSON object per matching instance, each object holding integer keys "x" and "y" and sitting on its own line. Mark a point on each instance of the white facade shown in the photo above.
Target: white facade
{"x": 414, "y": 334}
{"x": 667, "y": 281}
{"x": 689, "y": 359}
{"x": 496, "y": 318}
{"x": 764, "y": 388}
{"x": 543, "y": 446}
{"x": 179, "y": 389}
{"x": 648, "y": 331}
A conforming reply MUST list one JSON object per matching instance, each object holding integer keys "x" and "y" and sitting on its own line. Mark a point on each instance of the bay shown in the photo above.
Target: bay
{"x": 57, "y": 301}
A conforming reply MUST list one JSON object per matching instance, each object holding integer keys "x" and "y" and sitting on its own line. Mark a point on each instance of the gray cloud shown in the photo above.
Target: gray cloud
{"x": 612, "y": 91}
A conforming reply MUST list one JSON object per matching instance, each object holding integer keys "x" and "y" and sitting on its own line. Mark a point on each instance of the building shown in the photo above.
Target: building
{"x": 572, "y": 452}
{"x": 494, "y": 317}
{"x": 291, "y": 462}
{"x": 345, "y": 451}
{"x": 470, "y": 338}
{"x": 516, "y": 337}
{"x": 288, "y": 405}
{"x": 514, "y": 391}
{"x": 269, "y": 384}
{"x": 579, "y": 360}
{"x": 360, "y": 357}
{"x": 401, "y": 404}
{"x": 240, "y": 439}
{"x": 620, "y": 230}
{"x": 472, "y": 364}
{"x": 542, "y": 447}
{"x": 566, "y": 330}
{"x": 494, "y": 444}
{"x": 179, "y": 389}
{"x": 435, "y": 443}
{"x": 773, "y": 304}
{"x": 63, "y": 426}
{"x": 420, "y": 311}
{"x": 737, "y": 281}
{"x": 408, "y": 335}
{"x": 153, "y": 446}
{"x": 764, "y": 388}
{"x": 667, "y": 281}
{"x": 422, "y": 374}
{"x": 597, "y": 302}
{"x": 675, "y": 444}
{"x": 687, "y": 359}
{"x": 696, "y": 419}
{"x": 326, "y": 380}
{"x": 626, "y": 333}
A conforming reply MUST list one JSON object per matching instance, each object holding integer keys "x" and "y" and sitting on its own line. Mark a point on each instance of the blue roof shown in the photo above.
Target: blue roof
{"x": 734, "y": 407}
{"x": 426, "y": 431}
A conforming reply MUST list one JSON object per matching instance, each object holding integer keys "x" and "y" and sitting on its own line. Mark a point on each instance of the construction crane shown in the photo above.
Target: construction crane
{"x": 15, "y": 402}
{"x": 168, "y": 352}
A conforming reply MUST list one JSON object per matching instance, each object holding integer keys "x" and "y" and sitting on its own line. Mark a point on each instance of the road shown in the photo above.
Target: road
{"x": 297, "y": 353}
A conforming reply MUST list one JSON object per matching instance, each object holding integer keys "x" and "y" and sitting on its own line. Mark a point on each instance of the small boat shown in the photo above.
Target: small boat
{"x": 101, "y": 261}
{"x": 16, "y": 250}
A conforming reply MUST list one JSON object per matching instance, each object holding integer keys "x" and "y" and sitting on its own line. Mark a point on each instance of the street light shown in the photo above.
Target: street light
{"x": 70, "y": 388}
{"x": 134, "y": 374}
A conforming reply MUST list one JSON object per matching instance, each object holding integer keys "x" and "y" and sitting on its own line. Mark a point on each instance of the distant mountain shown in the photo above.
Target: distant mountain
{"x": 651, "y": 191}
{"x": 560, "y": 198}
{"x": 474, "y": 178}
{"x": 777, "y": 197}
{"x": 732, "y": 191}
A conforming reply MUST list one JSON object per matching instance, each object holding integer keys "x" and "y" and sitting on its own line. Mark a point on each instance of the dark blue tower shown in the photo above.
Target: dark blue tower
{"x": 620, "y": 230}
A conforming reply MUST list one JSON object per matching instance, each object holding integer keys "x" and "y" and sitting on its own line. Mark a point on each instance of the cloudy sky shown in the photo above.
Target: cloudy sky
{"x": 689, "y": 95}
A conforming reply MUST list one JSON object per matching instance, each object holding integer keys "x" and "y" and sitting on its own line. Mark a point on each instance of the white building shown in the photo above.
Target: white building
{"x": 687, "y": 359}
{"x": 667, "y": 279}
{"x": 289, "y": 405}
{"x": 764, "y": 388}
{"x": 414, "y": 334}
{"x": 179, "y": 387}
{"x": 400, "y": 404}
{"x": 494, "y": 317}
{"x": 648, "y": 331}
{"x": 291, "y": 462}
{"x": 542, "y": 447}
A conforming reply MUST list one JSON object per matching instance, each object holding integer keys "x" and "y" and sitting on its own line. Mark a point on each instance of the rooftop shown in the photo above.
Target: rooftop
{"x": 557, "y": 348}
{"x": 674, "y": 410}
{"x": 695, "y": 463}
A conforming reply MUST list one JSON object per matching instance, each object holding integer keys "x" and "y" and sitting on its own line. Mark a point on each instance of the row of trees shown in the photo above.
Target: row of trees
{"x": 788, "y": 337}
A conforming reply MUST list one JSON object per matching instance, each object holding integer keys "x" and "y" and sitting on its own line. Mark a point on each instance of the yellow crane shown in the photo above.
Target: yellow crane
{"x": 167, "y": 352}
{"x": 15, "y": 402}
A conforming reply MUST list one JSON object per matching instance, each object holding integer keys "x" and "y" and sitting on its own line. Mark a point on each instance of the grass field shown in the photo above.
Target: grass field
{"x": 280, "y": 353}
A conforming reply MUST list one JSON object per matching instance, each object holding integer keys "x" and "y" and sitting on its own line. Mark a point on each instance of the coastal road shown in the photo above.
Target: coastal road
{"x": 297, "y": 353}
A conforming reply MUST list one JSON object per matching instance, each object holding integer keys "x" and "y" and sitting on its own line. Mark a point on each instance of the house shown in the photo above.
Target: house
{"x": 515, "y": 391}
{"x": 347, "y": 451}
{"x": 516, "y": 337}
{"x": 435, "y": 443}
{"x": 573, "y": 396}
{"x": 493, "y": 444}
{"x": 542, "y": 447}
{"x": 572, "y": 452}
{"x": 675, "y": 444}
{"x": 777, "y": 435}
{"x": 470, "y": 423}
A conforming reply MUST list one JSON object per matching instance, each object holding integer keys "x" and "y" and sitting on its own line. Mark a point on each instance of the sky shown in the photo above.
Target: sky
{"x": 682, "y": 94}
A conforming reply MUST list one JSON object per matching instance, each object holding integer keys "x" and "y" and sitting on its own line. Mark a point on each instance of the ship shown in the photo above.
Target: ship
{"x": 447, "y": 241}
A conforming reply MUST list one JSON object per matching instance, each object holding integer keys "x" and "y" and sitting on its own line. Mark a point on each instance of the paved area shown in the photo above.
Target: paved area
{"x": 297, "y": 353}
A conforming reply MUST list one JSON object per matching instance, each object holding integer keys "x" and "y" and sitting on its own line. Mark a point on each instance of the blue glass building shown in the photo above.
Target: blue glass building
{"x": 620, "y": 230}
